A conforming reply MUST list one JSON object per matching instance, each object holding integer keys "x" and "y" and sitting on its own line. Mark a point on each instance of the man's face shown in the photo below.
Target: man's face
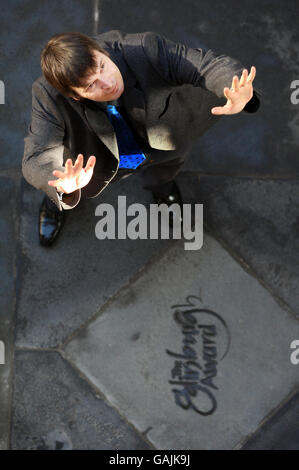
{"x": 106, "y": 84}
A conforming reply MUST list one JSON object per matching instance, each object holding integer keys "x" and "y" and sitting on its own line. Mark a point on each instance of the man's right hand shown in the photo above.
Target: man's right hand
{"x": 74, "y": 177}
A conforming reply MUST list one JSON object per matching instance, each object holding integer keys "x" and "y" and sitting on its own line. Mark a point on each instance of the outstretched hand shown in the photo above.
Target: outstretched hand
{"x": 238, "y": 96}
{"x": 74, "y": 177}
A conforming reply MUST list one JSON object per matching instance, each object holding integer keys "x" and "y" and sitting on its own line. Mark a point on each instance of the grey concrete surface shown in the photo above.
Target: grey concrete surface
{"x": 226, "y": 336}
{"x": 281, "y": 432}
{"x": 245, "y": 172}
{"x": 259, "y": 221}
{"x": 64, "y": 286}
{"x": 56, "y": 409}
{"x": 8, "y": 223}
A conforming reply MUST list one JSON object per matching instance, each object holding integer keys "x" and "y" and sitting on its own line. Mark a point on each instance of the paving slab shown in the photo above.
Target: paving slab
{"x": 281, "y": 431}
{"x": 9, "y": 194}
{"x": 196, "y": 349}
{"x": 62, "y": 286}
{"x": 265, "y": 143}
{"x": 55, "y": 409}
{"x": 258, "y": 220}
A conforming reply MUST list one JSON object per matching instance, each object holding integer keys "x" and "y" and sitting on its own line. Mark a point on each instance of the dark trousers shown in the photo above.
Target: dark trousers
{"x": 157, "y": 172}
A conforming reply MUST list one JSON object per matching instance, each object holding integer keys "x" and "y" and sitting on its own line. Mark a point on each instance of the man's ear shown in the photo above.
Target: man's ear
{"x": 75, "y": 97}
{"x": 72, "y": 94}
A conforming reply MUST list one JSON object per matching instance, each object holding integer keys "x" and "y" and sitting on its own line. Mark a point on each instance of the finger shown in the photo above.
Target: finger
{"x": 53, "y": 183}
{"x": 227, "y": 93}
{"x": 251, "y": 75}
{"x": 58, "y": 173}
{"x": 68, "y": 164}
{"x": 243, "y": 77}
{"x": 218, "y": 110}
{"x": 235, "y": 83}
{"x": 79, "y": 158}
{"x": 232, "y": 88}
{"x": 79, "y": 163}
{"x": 90, "y": 162}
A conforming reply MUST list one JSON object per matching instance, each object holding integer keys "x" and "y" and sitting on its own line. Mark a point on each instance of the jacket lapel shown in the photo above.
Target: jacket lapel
{"x": 152, "y": 130}
{"x": 157, "y": 125}
{"x": 134, "y": 104}
{"x": 101, "y": 125}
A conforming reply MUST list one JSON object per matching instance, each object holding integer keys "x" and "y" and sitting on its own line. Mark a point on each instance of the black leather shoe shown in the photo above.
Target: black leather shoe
{"x": 50, "y": 223}
{"x": 174, "y": 196}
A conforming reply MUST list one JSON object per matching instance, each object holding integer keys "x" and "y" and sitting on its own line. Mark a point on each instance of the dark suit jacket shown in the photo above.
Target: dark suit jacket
{"x": 169, "y": 92}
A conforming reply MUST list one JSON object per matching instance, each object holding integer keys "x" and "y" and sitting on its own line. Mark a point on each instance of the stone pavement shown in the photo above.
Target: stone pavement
{"x": 141, "y": 344}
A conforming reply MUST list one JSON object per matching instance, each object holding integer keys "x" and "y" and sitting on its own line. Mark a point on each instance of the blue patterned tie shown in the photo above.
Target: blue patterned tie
{"x": 130, "y": 155}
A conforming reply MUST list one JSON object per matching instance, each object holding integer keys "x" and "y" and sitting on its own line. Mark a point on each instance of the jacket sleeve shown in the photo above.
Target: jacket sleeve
{"x": 44, "y": 149}
{"x": 179, "y": 64}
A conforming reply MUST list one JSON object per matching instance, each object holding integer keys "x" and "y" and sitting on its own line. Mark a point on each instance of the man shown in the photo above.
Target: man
{"x": 118, "y": 104}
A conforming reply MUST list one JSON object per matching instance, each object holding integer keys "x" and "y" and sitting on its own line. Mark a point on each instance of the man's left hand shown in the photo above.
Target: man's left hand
{"x": 238, "y": 96}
